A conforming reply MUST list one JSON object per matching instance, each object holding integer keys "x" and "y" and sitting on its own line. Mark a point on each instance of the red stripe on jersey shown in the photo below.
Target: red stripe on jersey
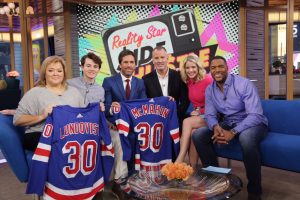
{"x": 123, "y": 127}
{"x": 137, "y": 161}
{"x": 42, "y": 152}
{"x": 126, "y": 188}
{"x": 175, "y": 136}
{"x": 105, "y": 148}
{"x": 92, "y": 193}
{"x": 152, "y": 168}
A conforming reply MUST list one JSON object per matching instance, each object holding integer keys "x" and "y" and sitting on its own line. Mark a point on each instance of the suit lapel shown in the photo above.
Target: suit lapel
{"x": 133, "y": 87}
{"x": 156, "y": 83}
{"x": 170, "y": 81}
{"x": 120, "y": 86}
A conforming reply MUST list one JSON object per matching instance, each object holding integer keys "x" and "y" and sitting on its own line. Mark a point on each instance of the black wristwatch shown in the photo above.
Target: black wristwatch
{"x": 234, "y": 132}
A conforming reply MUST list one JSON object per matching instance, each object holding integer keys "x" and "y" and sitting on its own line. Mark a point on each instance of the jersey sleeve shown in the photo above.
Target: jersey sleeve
{"x": 122, "y": 122}
{"x": 40, "y": 159}
{"x": 174, "y": 128}
{"x": 107, "y": 151}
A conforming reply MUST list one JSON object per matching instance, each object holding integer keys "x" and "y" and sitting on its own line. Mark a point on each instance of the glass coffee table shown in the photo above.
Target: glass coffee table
{"x": 201, "y": 185}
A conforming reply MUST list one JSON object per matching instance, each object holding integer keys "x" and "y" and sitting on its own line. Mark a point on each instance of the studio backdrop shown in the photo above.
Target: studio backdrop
{"x": 203, "y": 29}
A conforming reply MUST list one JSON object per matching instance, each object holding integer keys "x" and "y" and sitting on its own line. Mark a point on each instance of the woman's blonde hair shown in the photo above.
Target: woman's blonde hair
{"x": 48, "y": 61}
{"x": 195, "y": 59}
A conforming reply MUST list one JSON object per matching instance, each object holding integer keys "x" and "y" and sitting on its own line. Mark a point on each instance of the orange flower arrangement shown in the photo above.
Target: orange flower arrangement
{"x": 178, "y": 171}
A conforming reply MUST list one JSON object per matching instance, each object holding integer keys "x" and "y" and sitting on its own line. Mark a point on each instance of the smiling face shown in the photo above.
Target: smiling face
{"x": 54, "y": 74}
{"x": 219, "y": 70}
{"x": 160, "y": 60}
{"x": 90, "y": 70}
{"x": 191, "y": 70}
{"x": 127, "y": 66}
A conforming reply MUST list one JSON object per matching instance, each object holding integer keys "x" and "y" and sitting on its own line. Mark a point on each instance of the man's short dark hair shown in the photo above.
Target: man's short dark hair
{"x": 93, "y": 57}
{"x": 125, "y": 52}
{"x": 218, "y": 57}
{"x": 158, "y": 48}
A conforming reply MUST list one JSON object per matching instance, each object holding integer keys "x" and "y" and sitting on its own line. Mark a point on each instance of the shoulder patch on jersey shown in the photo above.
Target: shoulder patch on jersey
{"x": 47, "y": 130}
{"x": 116, "y": 110}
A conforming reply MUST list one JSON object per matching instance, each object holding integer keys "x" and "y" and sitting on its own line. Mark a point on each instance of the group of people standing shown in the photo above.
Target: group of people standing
{"x": 225, "y": 107}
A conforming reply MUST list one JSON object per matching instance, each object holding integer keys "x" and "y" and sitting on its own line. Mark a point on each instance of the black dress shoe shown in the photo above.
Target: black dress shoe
{"x": 253, "y": 197}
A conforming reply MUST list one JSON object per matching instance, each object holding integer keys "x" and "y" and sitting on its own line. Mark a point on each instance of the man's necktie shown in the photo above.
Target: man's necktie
{"x": 127, "y": 89}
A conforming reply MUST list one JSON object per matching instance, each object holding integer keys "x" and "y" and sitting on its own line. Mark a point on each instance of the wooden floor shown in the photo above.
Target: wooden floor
{"x": 277, "y": 184}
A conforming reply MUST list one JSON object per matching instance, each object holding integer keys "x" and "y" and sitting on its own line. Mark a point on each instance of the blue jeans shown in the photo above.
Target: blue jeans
{"x": 249, "y": 140}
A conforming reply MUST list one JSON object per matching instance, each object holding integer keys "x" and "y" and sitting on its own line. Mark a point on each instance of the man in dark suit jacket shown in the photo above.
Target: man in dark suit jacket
{"x": 116, "y": 90}
{"x": 166, "y": 82}
{"x": 115, "y": 86}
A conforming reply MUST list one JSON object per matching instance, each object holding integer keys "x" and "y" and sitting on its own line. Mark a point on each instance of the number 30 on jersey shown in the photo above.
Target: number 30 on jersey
{"x": 150, "y": 137}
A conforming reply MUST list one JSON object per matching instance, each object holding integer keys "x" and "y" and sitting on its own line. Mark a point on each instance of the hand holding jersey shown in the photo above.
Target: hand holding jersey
{"x": 102, "y": 107}
{"x": 154, "y": 125}
{"x": 74, "y": 156}
{"x": 47, "y": 111}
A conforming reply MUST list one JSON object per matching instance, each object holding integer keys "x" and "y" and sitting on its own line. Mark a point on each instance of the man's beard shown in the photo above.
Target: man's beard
{"x": 222, "y": 81}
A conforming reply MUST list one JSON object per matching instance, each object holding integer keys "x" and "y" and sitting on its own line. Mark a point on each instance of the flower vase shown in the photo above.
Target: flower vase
{"x": 177, "y": 183}
{"x": 178, "y": 190}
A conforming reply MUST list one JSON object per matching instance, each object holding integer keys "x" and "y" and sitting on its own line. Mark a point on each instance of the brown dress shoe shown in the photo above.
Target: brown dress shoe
{"x": 98, "y": 196}
{"x": 116, "y": 189}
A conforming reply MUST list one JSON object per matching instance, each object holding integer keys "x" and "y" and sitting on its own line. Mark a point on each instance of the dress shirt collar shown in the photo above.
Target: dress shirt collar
{"x": 227, "y": 83}
{"x": 162, "y": 77}
{"x": 125, "y": 78}
{"x": 164, "y": 82}
{"x": 228, "y": 80}
{"x": 86, "y": 83}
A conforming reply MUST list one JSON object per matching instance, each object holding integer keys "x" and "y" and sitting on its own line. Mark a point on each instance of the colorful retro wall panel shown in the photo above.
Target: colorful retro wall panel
{"x": 203, "y": 29}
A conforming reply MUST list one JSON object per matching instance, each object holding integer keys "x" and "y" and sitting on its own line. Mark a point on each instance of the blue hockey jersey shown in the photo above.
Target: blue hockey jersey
{"x": 74, "y": 155}
{"x": 154, "y": 124}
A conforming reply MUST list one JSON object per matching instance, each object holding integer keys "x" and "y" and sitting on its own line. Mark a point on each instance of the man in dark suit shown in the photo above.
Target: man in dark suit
{"x": 166, "y": 82}
{"x": 118, "y": 88}
{"x": 115, "y": 86}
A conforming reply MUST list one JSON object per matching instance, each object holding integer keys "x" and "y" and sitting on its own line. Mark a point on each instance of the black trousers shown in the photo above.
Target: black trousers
{"x": 31, "y": 140}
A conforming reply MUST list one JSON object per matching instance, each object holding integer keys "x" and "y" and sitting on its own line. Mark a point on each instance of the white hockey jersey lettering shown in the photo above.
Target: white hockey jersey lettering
{"x": 149, "y": 109}
{"x": 79, "y": 128}
{"x": 154, "y": 124}
{"x": 74, "y": 155}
